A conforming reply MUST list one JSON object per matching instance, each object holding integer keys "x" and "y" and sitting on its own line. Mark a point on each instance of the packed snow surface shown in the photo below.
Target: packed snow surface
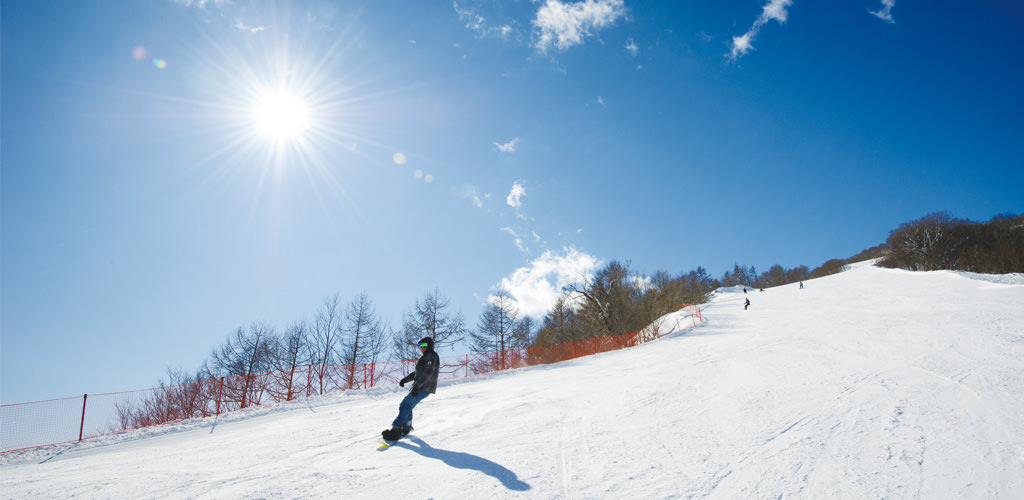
{"x": 872, "y": 383}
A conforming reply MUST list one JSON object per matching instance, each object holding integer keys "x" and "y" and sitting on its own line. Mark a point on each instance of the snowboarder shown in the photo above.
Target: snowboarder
{"x": 801, "y": 285}
{"x": 746, "y": 304}
{"x": 424, "y": 383}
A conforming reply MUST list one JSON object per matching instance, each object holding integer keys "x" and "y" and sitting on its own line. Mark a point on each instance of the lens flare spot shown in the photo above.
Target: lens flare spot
{"x": 399, "y": 159}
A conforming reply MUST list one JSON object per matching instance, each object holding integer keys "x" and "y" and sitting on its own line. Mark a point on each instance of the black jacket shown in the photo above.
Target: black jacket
{"x": 426, "y": 372}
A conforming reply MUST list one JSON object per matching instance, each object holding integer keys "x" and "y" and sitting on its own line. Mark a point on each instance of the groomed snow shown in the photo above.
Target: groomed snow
{"x": 872, "y": 383}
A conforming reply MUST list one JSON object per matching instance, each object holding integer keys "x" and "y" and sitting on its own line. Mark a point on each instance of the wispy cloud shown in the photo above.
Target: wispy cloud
{"x": 200, "y": 3}
{"x": 470, "y": 192}
{"x": 536, "y": 287}
{"x": 773, "y": 10}
{"x": 508, "y": 147}
{"x": 632, "y": 48}
{"x": 242, "y": 26}
{"x": 518, "y": 239}
{"x": 478, "y": 23}
{"x": 885, "y": 13}
{"x": 561, "y": 25}
{"x": 515, "y": 196}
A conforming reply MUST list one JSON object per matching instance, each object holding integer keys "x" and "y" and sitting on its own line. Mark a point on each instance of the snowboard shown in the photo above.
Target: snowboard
{"x": 386, "y": 443}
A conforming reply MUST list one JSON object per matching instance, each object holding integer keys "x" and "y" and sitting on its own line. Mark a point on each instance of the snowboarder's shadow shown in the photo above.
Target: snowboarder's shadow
{"x": 461, "y": 460}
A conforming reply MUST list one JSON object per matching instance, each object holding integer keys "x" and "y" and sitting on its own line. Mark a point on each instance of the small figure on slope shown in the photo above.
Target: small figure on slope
{"x": 746, "y": 304}
{"x": 424, "y": 383}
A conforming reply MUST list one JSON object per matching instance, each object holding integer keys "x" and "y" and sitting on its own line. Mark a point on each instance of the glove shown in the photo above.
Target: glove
{"x": 407, "y": 378}
{"x": 415, "y": 393}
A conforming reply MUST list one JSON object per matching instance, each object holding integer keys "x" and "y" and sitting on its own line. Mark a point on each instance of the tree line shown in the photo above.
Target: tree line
{"x": 615, "y": 300}
{"x": 262, "y": 362}
{"x": 941, "y": 241}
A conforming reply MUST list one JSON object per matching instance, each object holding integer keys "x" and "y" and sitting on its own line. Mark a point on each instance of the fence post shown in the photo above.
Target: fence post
{"x": 220, "y": 394}
{"x": 81, "y": 427}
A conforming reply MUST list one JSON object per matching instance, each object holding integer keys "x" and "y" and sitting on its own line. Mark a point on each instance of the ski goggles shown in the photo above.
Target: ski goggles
{"x": 424, "y": 344}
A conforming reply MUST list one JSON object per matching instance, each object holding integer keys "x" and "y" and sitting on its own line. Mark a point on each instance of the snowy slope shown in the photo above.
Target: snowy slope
{"x": 872, "y": 383}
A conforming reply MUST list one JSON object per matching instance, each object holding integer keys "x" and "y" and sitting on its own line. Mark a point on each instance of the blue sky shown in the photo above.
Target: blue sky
{"x": 172, "y": 170}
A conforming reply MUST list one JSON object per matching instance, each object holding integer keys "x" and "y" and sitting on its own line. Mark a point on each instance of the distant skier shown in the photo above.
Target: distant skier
{"x": 746, "y": 304}
{"x": 801, "y": 285}
{"x": 424, "y": 383}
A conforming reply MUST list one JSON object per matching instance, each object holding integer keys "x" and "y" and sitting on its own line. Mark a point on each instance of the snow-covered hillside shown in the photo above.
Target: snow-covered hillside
{"x": 872, "y": 383}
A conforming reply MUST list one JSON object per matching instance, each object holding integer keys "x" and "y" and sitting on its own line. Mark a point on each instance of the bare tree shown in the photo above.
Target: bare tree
{"x": 292, "y": 352}
{"x": 923, "y": 244}
{"x": 181, "y": 396}
{"x": 495, "y": 333}
{"x": 775, "y": 276}
{"x": 608, "y": 301}
{"x": 431, "y": 317}
{"x": 247, "y": 356}
{"x": 363, "y": 341}
{"x": 325, "y": 333}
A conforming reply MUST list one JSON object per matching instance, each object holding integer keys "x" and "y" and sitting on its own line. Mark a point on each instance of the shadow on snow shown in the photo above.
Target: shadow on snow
{"x": 461, "y": 460}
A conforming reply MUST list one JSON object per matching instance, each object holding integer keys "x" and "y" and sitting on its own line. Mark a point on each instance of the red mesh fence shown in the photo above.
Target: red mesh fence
{"x": 40, "y": 423}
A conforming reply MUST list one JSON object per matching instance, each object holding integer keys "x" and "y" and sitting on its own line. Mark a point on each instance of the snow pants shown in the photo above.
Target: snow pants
{"x": 404, "y": 418}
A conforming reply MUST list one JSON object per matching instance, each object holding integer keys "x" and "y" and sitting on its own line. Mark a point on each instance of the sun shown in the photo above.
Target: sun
{"x": 281, "y": 116}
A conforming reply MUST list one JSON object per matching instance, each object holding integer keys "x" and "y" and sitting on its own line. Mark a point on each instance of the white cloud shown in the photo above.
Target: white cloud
{"x": 741, "y": 45}
{"x": 885, "y": 13}
{"x": 562, "y": 25}
{"x": 774, "y": 10}
{"x": 632, "y": 48}
{"x": 536, "y": 287}
{"x": 515, "y": 196}
{"x": 643, "y": 283}
{"x": 508, "y": 147}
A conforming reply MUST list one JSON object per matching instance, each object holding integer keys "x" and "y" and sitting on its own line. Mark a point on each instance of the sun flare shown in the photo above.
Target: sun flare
{"x": 281, "y": 116}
